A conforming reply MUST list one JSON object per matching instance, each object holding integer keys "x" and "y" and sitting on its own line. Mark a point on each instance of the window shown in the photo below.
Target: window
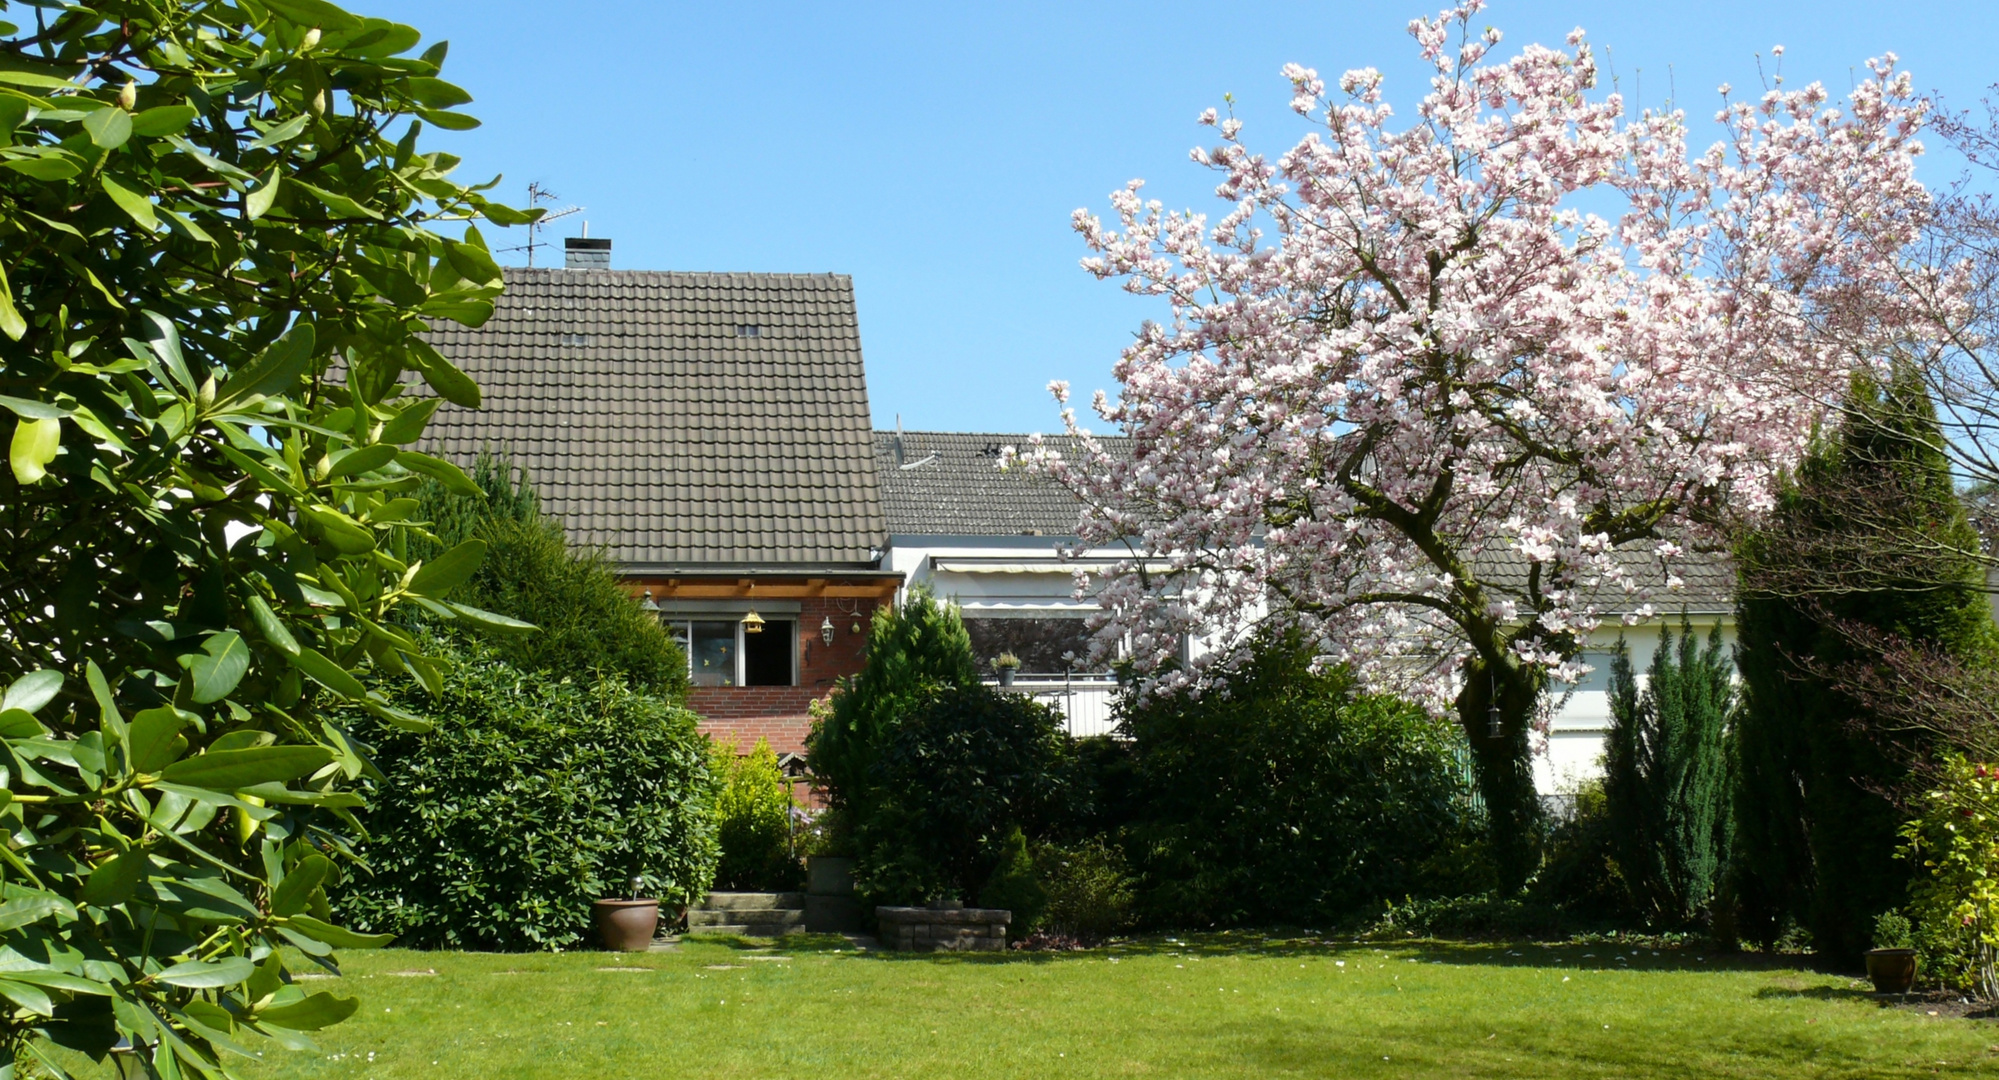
{"x": 1043, "y": 645}
{"x": 749, "y": 330}
{"x": 721, "y": 653}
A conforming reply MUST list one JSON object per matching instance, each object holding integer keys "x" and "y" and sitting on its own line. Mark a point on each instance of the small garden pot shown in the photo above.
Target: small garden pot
{"x": 1892, "y": 970}
{"x": 1006, "y": 676}
{"x": 625, "y": 925}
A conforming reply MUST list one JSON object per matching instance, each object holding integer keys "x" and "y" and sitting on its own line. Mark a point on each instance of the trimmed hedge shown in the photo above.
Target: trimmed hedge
{"x": 532, "y": 797}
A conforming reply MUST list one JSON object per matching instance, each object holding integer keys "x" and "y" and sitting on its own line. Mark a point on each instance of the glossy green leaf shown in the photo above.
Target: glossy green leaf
{"x": 451, "y": 476}
{"x": 269, "y": 625}
{"x": 336, "y": 202}
{"x": 295, "y": 891}
{"x": 32, "y": 691}
{"x": 109, "y": 128}
{"x": 315, "y": 1012}
{"x": 154, "y": 740}
{"x": 314, "y": 13}
{"x": 202, "y": 975}
{"x": 218, "y": 667}
{"x": 449, "y": 570}
{"x": 337, "y": 936}
{"x": 31, "y": 410}
{"x": 11, "y": 322}
{"x": 408, "y": 425}
{"x": 329, "y": 674}
{"x": 32, "y": 998}
{"x": 449, "y": 121}
{"x": 34, "y": 446}
{"x": 16, "y": 724}
{"x": 163, "y": 120}
{"x": 228, "y": 770}
{"x": 136, "y": 206}
{"x": 44, "y": 167}
{"x": 274, "y": 371}
{"x": 258, "y": 202}
{"x": 491, "y": 621}
{"x": 114, "y": 881}
{"x": 364, "y": 460}
{"x": 14, "y": 914}
{"x": 347, "y": 536}
{"x": 281, "y": 134}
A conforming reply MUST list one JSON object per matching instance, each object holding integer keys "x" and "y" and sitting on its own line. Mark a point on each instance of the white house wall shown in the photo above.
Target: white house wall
{"x": 1574, "y": 747}
{"x": 1572, "y": 752}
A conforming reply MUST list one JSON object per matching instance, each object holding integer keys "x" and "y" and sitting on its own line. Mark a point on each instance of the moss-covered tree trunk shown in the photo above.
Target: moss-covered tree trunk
{"x": 1502, "y": 767}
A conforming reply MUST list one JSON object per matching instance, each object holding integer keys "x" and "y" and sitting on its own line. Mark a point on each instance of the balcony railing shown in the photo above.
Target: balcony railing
{"x": 1083, "y": 700}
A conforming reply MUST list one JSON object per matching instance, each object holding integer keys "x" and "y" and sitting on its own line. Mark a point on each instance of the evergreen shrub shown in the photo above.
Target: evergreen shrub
{"x": 1288, "y": 797}
{"x": 753, "y": 816}
{"x": 532, "y": 797}
{"x": 1871, "y": 534}
{"x": 1090, "y": 888}
{"x": 954, "y": 780}
{"x": 1666, "y": 775}
{"x": 586, "y": 619}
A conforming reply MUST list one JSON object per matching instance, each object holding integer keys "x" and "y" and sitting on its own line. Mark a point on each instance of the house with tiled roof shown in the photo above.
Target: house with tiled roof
{"x": 711, "y": 433}
{"x": 987, "y": 539}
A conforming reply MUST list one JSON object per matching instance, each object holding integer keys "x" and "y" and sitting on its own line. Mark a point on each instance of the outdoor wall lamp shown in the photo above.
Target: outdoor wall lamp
{"x": 826, "y": 630}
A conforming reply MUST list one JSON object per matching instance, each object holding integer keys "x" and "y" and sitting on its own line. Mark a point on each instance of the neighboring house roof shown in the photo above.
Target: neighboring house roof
{"x": 938, "y": 483}
{"x": 950, "y": 484}
{"x": 681, "y": 421}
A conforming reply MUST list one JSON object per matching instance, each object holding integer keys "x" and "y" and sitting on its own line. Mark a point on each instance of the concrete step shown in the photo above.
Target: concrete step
{"x": 773, "y": 918}
{"x": 748, "y": 901}
{"x": 745, "y": 930}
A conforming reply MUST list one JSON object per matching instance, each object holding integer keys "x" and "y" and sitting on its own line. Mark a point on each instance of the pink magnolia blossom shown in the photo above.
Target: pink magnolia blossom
{"x": 1405, "y": 349}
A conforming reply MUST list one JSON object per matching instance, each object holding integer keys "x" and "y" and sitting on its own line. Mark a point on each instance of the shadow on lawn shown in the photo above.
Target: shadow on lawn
{"x": 1282, "y": 944}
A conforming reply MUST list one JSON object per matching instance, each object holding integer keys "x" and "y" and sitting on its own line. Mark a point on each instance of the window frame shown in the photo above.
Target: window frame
{"x": 680, "y": 626}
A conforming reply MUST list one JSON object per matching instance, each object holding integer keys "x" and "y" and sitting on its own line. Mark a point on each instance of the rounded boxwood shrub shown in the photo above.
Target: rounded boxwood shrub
{"x": 531, "y": 798}
{"x": 1285, "y": 796}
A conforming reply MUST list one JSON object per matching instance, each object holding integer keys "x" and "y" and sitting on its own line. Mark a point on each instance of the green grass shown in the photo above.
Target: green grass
{"x": 1209, "y": 1006}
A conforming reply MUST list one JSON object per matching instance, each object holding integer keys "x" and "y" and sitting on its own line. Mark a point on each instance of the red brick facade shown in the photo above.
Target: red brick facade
{"x": 743, "y": 714}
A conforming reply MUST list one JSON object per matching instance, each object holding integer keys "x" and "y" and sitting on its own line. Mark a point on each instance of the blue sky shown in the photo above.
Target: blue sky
{"x": 935, "y": 151}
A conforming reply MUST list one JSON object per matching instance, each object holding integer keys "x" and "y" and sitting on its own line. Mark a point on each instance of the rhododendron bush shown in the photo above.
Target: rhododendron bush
{"x": 1416, "y": 398}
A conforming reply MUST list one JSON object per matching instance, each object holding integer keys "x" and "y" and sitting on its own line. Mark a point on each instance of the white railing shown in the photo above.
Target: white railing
{"x": 1083, "y": 700}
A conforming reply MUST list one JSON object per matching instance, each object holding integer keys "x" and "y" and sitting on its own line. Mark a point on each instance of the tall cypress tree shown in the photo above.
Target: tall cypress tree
{"x": 1666, "y": 774}
{"x": 1871, "y": 537}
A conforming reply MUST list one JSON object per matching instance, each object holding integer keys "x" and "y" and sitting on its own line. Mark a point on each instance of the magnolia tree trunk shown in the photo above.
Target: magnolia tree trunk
{"x": 1502, "y": 768}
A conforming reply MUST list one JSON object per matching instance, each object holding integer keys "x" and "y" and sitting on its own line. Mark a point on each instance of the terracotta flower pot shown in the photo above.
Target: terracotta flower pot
{"x": 625, "y": 925}
{"x": 1892, "y": 970}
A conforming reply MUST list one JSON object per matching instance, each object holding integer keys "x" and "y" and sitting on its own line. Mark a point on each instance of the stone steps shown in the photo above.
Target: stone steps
{"x": 749, "y": 914}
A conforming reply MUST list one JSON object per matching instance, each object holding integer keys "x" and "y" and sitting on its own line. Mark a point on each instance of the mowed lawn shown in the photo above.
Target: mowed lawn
{"x": 1209, "y": 1006}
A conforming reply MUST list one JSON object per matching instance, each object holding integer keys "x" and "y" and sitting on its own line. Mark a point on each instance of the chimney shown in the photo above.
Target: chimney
{"x": 586, "y": 253}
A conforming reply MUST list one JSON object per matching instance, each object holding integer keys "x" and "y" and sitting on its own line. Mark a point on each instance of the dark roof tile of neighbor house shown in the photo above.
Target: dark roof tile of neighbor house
{"x": 679, "y": 420}
{"x": 948, "y": 483}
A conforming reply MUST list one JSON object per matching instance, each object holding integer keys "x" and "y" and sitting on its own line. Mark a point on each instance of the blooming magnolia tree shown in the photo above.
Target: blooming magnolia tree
{"x": 1418, "y": 401}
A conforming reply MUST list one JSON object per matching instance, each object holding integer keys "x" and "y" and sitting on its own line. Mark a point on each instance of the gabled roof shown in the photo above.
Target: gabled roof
{"x": 937, "y": 483}
{"x": 681, "y": 421}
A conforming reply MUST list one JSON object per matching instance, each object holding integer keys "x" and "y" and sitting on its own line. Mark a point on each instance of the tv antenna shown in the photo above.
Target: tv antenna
{"x": 539, "y": 195}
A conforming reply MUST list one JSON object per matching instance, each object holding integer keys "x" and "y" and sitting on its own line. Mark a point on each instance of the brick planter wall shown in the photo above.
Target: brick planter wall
{"x": 922, "y": 929}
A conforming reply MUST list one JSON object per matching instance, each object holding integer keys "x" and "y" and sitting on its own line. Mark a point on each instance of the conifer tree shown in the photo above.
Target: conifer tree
{"x": 1666, "y": 774}
{"x": 1869, "y": 541}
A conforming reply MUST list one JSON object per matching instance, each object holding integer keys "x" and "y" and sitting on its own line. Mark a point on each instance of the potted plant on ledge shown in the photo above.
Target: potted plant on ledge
{"x": 1005, "y": 664}
{"x": 1891, "y": 963}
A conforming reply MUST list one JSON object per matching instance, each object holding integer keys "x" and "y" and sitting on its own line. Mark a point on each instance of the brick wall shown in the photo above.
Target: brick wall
{"x": 744, "y": 714}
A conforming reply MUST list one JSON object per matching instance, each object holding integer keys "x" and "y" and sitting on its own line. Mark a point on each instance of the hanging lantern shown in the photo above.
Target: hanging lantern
{"x": 826, "y": 630}
{"x": 753, "y": 623}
